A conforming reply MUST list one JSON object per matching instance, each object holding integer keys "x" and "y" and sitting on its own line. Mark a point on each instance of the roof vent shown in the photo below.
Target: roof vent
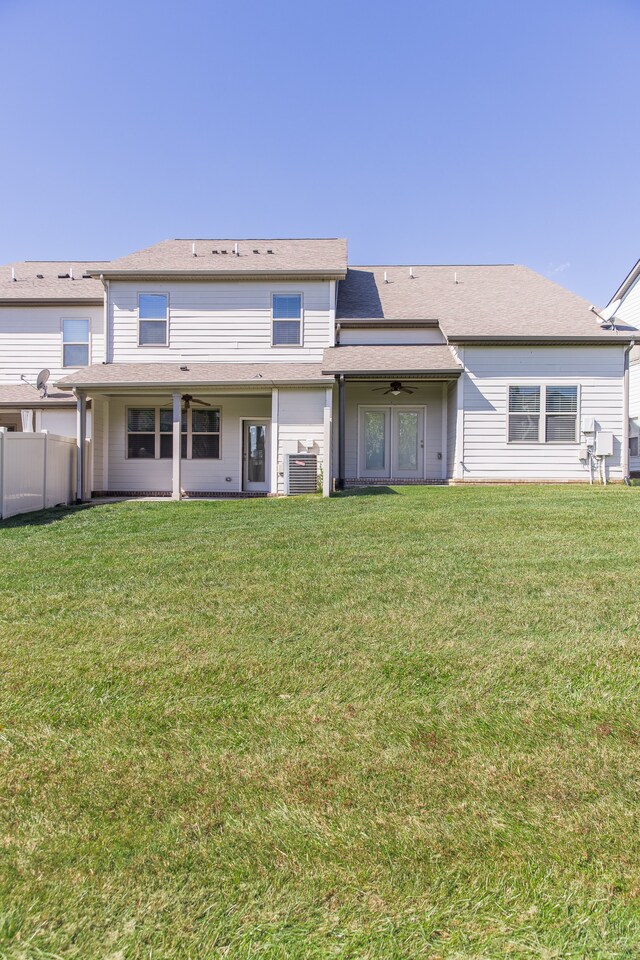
{"x": 40, "y": 276}
{"x": 223, "y": 251}
{"x": 63, "y": 276}
{"x": 214, "y": 251}
{"x": 256, "y": 251}
{"x": 184, "y": 369}
{"x": 269, "y": 251}
{"x": 193, "y": 250}
{"x": 411, "y": 273}
{"x": 13, "y": 274}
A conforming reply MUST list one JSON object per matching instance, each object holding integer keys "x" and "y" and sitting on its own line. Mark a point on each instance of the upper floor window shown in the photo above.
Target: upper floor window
{"x": 75, "y": 343}
{"x": 287, "y": 319}
{"x": 152, "y": 319}
{"x": 543, "y": 414}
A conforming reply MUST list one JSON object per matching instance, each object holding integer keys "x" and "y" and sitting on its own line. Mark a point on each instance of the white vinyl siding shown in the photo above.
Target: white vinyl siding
{"x": 487, "y": 454}
{"x": 220, "y": 321}
{"x": 31, "y": 339}
{"x": 629, "y": 309}
{"x": 300, "y": 418}
{"x": 390, "y": 335}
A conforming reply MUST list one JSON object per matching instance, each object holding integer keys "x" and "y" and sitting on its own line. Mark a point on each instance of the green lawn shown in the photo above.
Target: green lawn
{"x": 388, "y": 725}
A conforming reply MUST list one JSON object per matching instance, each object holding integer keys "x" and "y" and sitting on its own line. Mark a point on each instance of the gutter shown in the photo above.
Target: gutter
{"x": 217, "y": 274}
{"x": 105, "y": 385}
{"x": 490, "y": 340}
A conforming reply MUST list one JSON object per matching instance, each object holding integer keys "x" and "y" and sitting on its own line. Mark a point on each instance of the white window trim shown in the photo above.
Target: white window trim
{"x": 75, "y": 343}
{"x": 288, "y": 293}
{"x": 542, "y": 422}
{"x": 153, "y": 293}
{"x": 158, "y": 433}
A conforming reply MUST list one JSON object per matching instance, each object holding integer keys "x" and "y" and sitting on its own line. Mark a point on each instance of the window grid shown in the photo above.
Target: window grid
{"x": 545, "y": 413}
{"x": 153, "y": 319}
{"x": 75, "y": 342}
{"x": 286, "y": 320}
{"x": 150, "y": 434}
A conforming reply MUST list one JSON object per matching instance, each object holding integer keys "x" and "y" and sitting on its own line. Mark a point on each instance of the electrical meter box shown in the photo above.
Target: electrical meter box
{"x": 604, "y": 443}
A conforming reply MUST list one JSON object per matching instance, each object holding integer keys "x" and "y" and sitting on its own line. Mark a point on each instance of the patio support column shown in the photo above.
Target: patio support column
{"x": 176, "y": 485}
{"x": 327, "y": 465}
{"x": 81, "y": 435}
{"x": 342, "y": 419}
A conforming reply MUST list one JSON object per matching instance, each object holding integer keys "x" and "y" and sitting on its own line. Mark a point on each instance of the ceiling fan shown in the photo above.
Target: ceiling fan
{"x": 188, "y": 399}
{"x": 395, "y": 387}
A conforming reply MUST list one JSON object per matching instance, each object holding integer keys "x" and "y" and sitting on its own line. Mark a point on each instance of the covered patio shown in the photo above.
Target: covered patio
{"x": 397, "y": 412}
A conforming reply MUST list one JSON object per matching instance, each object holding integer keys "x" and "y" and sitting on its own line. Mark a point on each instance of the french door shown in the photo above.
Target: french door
{"x": 391, "y": 442}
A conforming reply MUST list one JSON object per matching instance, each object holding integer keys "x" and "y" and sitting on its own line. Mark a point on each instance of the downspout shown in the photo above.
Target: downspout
{"x": 625, "y": 420}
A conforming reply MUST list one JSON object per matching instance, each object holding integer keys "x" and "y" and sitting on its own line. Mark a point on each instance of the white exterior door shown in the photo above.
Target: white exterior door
{"x": 407, "y": 443}
{"x": 255, "y": 455}
{"x": 391, "y": 442}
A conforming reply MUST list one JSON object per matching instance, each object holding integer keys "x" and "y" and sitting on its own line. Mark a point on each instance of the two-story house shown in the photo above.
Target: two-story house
{"x": 265, "y": 366}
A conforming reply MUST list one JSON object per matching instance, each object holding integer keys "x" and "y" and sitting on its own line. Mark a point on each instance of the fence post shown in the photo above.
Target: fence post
{"x": 44, "y": 470}
{"x": 3, "y": 431}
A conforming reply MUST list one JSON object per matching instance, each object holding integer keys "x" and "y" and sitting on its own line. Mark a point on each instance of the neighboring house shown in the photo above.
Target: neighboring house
{"x": 624, "y": 309}
{"x": 265, "y": 366}
{"x": 51, "y": 317}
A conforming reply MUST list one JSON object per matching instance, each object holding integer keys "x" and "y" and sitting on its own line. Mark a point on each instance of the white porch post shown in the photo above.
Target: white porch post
{"x": 327, "y": 469}
{"x": 445, "y": 425}
{"x": 274, "y": 440}
{"x": 176, "y": 488}
{"x": 81, "y": 434}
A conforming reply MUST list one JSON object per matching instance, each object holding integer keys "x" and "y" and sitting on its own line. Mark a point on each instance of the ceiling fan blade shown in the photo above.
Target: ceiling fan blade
{"x": 203, "y": 402}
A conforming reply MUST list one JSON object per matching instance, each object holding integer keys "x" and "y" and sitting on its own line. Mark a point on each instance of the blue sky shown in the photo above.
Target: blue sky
{"x": 425, "y": 131}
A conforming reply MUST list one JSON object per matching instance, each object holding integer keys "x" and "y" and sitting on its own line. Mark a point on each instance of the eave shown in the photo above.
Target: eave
{"x": 195, "y": 275}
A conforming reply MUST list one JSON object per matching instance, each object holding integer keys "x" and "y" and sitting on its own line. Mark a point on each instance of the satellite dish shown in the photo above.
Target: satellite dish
{"x": 41, "y": 382}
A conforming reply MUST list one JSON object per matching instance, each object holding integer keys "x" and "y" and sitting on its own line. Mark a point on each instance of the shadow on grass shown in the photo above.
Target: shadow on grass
{"x": 373, "y": 491}
{"x": 41, "y": 518}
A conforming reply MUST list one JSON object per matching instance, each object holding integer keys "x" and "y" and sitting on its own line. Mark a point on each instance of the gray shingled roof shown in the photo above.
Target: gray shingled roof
{"x": 503, "y": 300}
{"x": 382, "y": 359}
{"x": 166, "y": 374}
{"x": 24, "y": 395}
{"x": 50, "y": 280}
{"x": 323, "y": 256}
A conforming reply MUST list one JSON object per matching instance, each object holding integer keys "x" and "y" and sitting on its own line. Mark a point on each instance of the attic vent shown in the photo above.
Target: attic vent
{"x": 302, "y": 473}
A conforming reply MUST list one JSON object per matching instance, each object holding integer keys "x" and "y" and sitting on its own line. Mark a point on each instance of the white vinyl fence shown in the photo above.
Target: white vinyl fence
{"x": 37, "y": 470}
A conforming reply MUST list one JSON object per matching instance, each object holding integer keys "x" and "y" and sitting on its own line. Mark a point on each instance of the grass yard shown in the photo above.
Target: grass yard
{"x": 383, "y": 726}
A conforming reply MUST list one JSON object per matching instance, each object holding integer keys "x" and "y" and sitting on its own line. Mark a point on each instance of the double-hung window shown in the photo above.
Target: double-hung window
{"x": 153, "y": 319}
{"x": 150, "y": 433}
{"x": 141, "y": 433}
{"x": 543, "y": 414}
{"x": 561, "y": 414}
{"x": 286, "y": 309}
{"x": 524, "y": 414}
{"x": 75, "y": 343}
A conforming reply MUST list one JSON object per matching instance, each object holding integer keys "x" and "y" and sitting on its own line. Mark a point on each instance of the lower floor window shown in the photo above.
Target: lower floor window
{"x": 543, "y": 414}
{"x": 150, "y": 433}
